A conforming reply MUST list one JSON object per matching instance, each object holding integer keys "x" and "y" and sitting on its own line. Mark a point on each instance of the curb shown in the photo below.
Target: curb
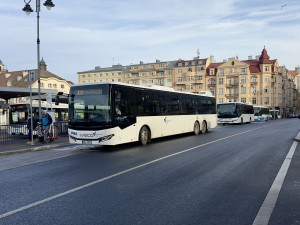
{"x": 34, "y": 149}
{"x": 297, "y": 138}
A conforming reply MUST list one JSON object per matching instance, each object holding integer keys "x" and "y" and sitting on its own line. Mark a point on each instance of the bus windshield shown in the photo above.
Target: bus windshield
{"x": 257, "y": 111}
{"x": 18, "y": 114}
{"x": 227, "y": 110}
{"x": 90, "y": 104}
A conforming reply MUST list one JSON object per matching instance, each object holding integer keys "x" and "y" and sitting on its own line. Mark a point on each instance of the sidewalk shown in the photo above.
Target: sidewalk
{"x": 20, "y": 147}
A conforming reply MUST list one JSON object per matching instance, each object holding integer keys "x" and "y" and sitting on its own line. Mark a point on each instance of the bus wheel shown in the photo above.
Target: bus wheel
{"x": 241, "y": 120}
{"x": 144, "y": 135}
{"x": 203, "y": 127}
{"x": 196, "y": 128}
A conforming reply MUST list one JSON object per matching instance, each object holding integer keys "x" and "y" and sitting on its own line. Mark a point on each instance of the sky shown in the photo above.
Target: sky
{"x": 77, "y": 36}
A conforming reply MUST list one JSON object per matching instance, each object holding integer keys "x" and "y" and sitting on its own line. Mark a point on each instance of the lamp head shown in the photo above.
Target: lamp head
{"x": 27, "y": 9}
{"x": 49, "y": 4}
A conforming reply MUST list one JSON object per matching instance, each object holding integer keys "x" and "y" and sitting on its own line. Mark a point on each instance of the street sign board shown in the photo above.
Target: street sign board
{"x": 31, "y": 76}
{"x": 49, "y": 98}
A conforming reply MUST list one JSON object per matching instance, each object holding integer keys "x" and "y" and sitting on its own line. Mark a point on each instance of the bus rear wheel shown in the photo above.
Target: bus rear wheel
{"x": 196, "y": 128}
{"x": 203, "y": 127}
{"x": 144, "y": 136}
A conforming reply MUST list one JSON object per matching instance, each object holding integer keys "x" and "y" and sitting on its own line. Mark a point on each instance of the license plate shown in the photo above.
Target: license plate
{"x": 87, "y": 142}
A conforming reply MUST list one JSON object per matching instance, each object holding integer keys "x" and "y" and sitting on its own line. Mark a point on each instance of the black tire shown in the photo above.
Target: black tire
{"x": 144, "y": 136}
{"x": 203, "y": 127}
{"x": 196, "y": 128}
{"x": 241, "y": 120}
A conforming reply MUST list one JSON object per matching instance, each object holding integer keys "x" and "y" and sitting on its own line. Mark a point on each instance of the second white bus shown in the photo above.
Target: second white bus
{"x": 235, "y": 112}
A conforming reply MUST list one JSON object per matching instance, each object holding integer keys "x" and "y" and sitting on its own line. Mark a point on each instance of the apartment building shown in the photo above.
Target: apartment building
{"x": 190, "y": 75}
{"x": 156, "y": 73}
{"x": 259, "y": 80}
{"x": 113, "y": 74}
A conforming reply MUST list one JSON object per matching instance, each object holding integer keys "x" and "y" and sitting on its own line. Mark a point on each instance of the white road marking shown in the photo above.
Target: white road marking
{"x": 120, "y": 173}
{"x": 265, "y": 212}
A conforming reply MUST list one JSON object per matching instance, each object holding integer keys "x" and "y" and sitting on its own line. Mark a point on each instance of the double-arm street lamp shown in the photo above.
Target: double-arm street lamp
{"x": 27, "y": 9}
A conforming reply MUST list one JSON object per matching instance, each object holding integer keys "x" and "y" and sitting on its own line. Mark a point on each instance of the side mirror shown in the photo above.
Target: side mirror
{"x": 57, "y": 100}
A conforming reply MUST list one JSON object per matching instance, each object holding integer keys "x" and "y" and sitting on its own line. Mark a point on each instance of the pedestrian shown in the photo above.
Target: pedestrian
{"x": 46, "y": 123}
{"x": 30, "y": 129}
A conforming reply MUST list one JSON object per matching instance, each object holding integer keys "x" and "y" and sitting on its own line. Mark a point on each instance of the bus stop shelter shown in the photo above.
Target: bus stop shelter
{"x": 7, "y": 93}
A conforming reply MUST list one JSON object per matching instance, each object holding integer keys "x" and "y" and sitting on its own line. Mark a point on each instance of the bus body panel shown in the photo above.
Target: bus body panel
{"x": 160, "y": 126}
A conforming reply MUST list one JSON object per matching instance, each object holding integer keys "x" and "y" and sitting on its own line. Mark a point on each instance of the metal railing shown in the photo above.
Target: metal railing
{"x": 19, "y": 132}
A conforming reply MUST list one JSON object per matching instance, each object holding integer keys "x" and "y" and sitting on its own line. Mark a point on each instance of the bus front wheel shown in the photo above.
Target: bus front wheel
{"x": 144, "y": 136}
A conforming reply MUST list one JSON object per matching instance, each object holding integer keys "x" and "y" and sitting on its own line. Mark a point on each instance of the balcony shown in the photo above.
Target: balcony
{"x": 231, "y": 95}
{"x": 253, "y": 83}
{"x": 235, "y": 84}
{"x": 211, "y": 85}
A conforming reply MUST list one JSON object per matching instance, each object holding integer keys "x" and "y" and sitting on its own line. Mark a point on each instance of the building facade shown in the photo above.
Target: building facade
{"x": 258, "y": 81}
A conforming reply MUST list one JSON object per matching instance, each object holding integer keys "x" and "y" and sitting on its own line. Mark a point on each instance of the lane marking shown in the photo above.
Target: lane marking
{"x": 265, "y": 211}
{"x": 121, "y": 173}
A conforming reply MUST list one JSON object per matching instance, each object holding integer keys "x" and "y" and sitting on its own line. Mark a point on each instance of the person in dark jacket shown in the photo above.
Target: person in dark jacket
{"x": 30, "y": 129}
{"x": 46, "y": 123}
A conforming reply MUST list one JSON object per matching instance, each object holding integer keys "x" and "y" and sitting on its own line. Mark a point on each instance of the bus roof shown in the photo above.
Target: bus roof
{"x": 152, "y": 87}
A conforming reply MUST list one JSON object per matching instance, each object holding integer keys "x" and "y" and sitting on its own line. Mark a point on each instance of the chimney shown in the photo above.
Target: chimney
{"x": 250, "y": 57}
{"x": 97, "y": 67}
{"x": 257, "y": 57}
{"x": 141, "y": 62}
{"x": 224, "y": 60}
{"x": 157, "y": 61}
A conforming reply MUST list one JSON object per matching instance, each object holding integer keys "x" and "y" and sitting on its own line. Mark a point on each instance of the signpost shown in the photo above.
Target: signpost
{"x": 31, "y": 78}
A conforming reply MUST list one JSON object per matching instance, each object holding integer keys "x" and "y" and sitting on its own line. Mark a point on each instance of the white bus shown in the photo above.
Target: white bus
{"x": 235, "y": 112}
{"x": 115, "y": 113}
{"x": 261, "y": 113}
{"x": 276, "y": 114}
{"x": 18, "y": 116}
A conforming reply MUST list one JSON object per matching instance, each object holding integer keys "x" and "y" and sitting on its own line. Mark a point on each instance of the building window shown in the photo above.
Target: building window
{"x": 54, "y": 85}
{"x": 211, "y": 72}
{"x": 199, "y": 86}
{"x": 243, "y": 90}
{"x": 62, "y": 86}
{"x": 42, "y": 84}
{"x": 220, "y": 80}
{"x": 186, "y": 63}
{"x": 253, "y": 101}
{"x": 220, "y": 91}
{"x": 243, "y": 100}
{"x": 243, "y": 80}
{"x": 267, "y": 79}
{"x": 211, "y": 81}
{"x": 126, "y": 75}
{"x": 179, "y": 79}
{"x": 179, "y": 71}
{"x": 199, "y": 78}
{"x": 267, "y": 100}
{"x": 193, "y": 63}
{"x": 143, "y": 74}
{"x": 254, "y": 90}
{"x": 143, "y": 82}
{"x": 49, "y": 85}
{"x": 254, "y": 79}
{"x": 169, "y": 80}
{"x": 221, "y": 71}
{"x": 212, "y": 91}
{"x": 230, "y": 70}
{"x": 267, "y": 89}
{"x": 220, "y": 100}
{"x": 152, "y": 66}
{"x": 187, "y": 87}
{"x": 179, "y": 64}
{"x": 83, "y": 76}
{"x": 234, "y": 70}
{"x": 119, "y": 80}
{"x": 267, "y": 68}
{"x": 244, "y": 70}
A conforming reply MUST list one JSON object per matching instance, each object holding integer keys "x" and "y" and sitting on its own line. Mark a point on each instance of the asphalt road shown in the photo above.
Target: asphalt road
{"x": 222, "y": 177}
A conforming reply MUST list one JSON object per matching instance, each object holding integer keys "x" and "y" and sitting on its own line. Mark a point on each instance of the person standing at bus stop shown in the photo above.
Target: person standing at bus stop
{"x": 30, "y": 129}
{"x": 46, "y": 123}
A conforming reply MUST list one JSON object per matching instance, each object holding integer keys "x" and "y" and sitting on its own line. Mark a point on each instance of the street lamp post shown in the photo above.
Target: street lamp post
{"x": 27, "y": 9}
